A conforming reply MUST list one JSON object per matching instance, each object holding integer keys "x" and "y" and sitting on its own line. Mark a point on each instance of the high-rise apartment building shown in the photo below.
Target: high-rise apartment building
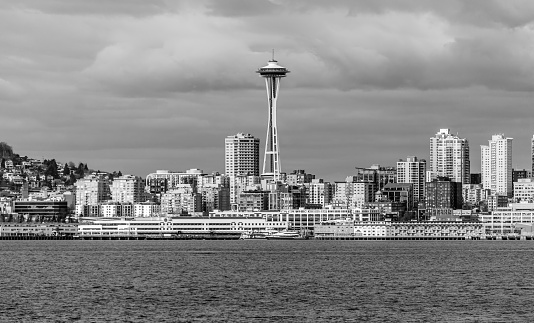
{"x": 242, "y": 155}
{"x": 473, "y": 194}
{"x": 127, "y": 189}
{"x": 413, "y": 171}
{"x": 442, "y": 193}
{"x": 181, "y": 200}
{"x": 360, "y": 194}
{"x": 90, "y": 191}
{"x": 319, "y": 192}
{"x": 496, "y": 165}
{"x": 449, "y": 156}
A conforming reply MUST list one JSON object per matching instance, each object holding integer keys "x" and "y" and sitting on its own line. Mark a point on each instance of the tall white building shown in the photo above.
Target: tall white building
{"x": 449, "y": 156}
{"x": 241, "y": 155}
{"x": 127, "y": 189}
{"x": 496, "y": 165}
{"x": 413, "y": 171}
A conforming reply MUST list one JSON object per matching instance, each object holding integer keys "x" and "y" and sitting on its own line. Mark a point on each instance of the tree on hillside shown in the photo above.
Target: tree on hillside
{"x": 66, "y": 170}
{"x": 51, "y": 169}
{"x": 6, "y": 151}
{"x": 79, "y": 170}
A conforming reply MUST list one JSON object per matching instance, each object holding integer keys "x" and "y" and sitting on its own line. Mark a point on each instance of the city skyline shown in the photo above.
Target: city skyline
{"x": 141, "y": 86}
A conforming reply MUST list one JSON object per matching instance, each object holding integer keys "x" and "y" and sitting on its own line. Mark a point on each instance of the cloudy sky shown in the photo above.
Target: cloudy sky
{"x": 139, "y": 85}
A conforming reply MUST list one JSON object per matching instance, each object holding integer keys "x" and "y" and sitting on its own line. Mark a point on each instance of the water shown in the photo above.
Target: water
{"x": 266, "y": 281}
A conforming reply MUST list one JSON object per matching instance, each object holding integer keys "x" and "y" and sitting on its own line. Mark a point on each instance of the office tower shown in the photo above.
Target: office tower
{"x": 496, "y": 165}
{"x": 413, "y": 171}
{"x": 242, "y": 155}
{"x": 127, "y": 189}
{"x": 272, "y": 73}
{"x": 449, "y": 157}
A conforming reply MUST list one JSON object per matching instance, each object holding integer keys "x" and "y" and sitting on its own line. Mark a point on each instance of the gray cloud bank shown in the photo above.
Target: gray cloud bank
{"x": 111, "y": 76}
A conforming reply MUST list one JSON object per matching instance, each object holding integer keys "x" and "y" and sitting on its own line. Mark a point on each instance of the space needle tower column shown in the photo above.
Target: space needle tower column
{"x": 271, "y": 159}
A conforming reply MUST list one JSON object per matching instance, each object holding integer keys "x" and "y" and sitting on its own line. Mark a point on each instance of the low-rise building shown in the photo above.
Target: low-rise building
{"x": 176, "y": 225}
{"x": 45, "y": 210}
{"x": 388, "y": 229}
{"x": 524, "y": 190}
{"x": 37, "y": 230}
{"x": 503, "y": 220}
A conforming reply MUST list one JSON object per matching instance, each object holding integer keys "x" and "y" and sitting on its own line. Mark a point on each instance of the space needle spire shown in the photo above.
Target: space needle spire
{"x": 272, "y": 73}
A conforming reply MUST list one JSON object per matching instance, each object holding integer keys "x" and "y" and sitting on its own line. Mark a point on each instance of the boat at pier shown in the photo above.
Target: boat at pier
{"x": 286, "y": 235}
{"x": 257, "y": 234}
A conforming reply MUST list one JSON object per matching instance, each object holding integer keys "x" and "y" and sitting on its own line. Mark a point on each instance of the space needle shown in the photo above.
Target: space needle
{"x": 271, "y": 159}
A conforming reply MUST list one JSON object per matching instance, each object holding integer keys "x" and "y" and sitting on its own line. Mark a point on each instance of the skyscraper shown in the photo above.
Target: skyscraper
{"x": 241, "y": 155}
{"x": 496, "y": 165}
{"x": 271, "y": 160}
{"x": 449, "y": 156}
{"x": 413, "y": 171}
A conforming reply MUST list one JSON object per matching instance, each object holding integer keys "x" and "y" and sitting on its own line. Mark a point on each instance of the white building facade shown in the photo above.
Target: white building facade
{"x": 449, "y": 156}
{"x": 241, "y": 155}
{"x": 91, "y": 190}
{"x": 496, "y": 165}
{"x": 524, "y": 190}
{"x": 127, "y": 189}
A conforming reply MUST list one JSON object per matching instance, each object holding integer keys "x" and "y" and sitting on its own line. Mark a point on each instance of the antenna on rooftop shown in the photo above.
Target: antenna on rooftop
{"x": 273, "y": 54}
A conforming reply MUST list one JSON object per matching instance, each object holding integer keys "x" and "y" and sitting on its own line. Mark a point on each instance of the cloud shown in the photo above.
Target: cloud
{"x": 383, "y": 46}
{"x": 242, "y": 8}
{"x": 136, "y": 8}
{"x": 164, "y": 82}
{"x": 10, "y": 91}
